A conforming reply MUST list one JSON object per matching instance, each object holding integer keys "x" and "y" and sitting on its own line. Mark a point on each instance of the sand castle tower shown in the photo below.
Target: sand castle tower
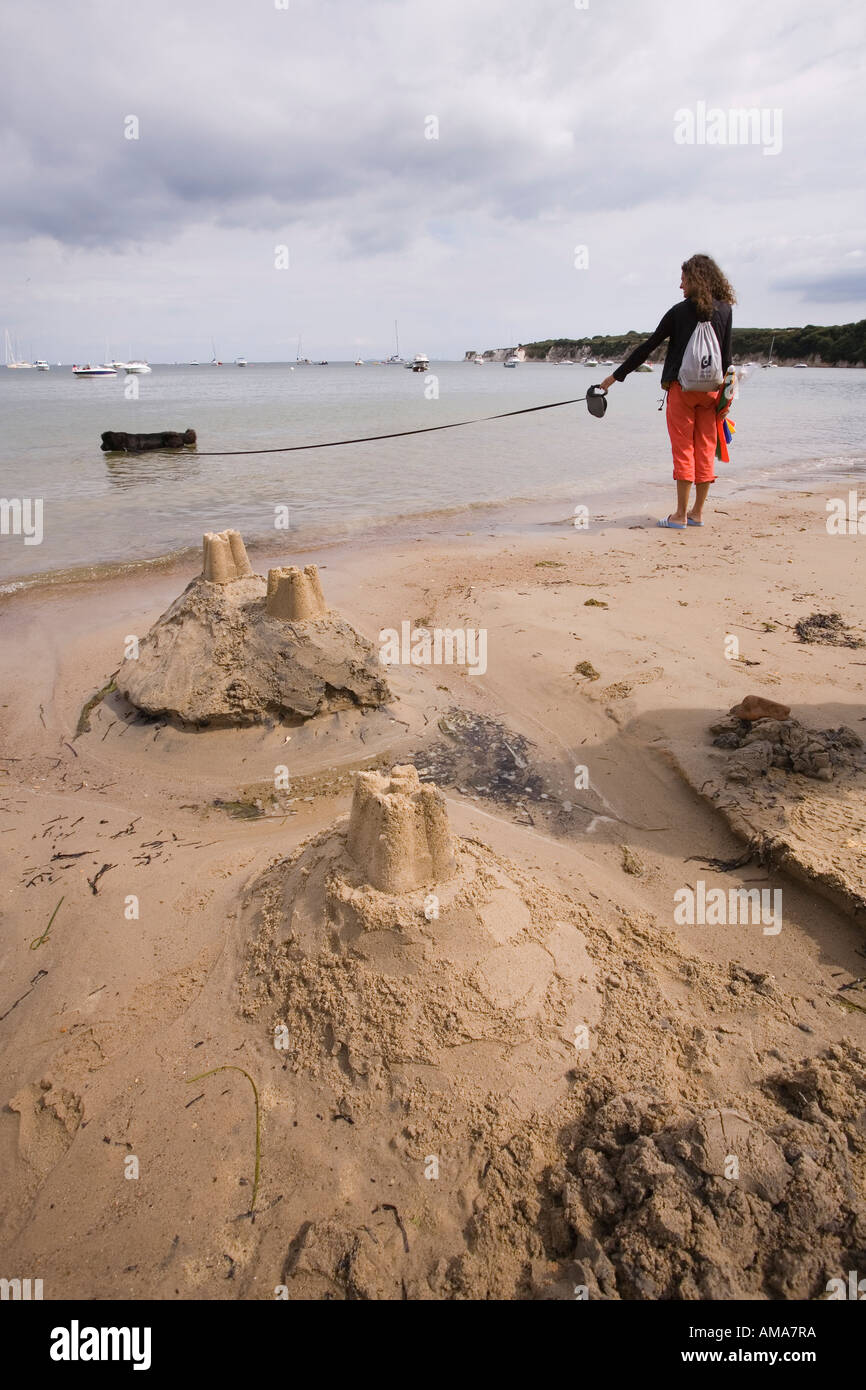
{"x": 224, "y": 557}
{"x": 295, "y": 595}
{"x": 398, "y": 831}
{"x": 234, "y": 649}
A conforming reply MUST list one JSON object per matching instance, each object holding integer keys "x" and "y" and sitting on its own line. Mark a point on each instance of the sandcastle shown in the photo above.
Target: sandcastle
{"x": 235, "y": 648}
{"x": 398, "y": 831}
{"x": 387, "y": 943}
{"x": 224, "y": 557}
{"x": 295, "y": 594}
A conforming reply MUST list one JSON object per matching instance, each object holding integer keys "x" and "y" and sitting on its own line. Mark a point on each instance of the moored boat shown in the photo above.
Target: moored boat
{"x": 104, "y": 370}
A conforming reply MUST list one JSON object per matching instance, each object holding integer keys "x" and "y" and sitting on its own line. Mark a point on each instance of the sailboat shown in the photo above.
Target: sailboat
{"x": 769, "y": 362}
{"x": 12, "y": 356}
{"x": 395, "y": 360}
{"x": 299, "y": 360}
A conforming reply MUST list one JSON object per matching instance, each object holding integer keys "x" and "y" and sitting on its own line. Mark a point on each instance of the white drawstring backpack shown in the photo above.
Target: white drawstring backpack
{"x": 701, "y": 368}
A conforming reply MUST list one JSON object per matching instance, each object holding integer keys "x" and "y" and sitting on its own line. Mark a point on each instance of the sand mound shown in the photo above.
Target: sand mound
{"x": 467, "y": 958}
{"x": 233, "y": 648}
{"x": 785, "y": 743}
{"x": 649, "y": 1197}
{"x": 694, "y": 1205}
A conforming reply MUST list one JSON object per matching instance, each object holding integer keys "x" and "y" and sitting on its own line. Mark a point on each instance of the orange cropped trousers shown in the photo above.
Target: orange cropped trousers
{"x": 691, "y": 417}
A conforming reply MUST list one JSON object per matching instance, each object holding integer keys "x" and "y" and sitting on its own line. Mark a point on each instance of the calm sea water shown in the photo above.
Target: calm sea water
{"x": 803, "y": 428}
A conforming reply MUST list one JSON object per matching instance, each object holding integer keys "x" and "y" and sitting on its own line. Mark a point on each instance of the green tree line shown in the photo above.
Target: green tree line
{"x": 827, "y": 345}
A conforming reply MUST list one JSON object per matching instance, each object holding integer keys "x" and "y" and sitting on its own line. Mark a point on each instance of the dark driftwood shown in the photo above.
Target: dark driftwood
{"x": 118, "y": 441}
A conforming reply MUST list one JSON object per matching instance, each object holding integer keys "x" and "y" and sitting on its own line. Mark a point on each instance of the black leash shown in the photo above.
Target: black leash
{"x": 591, "y": 396}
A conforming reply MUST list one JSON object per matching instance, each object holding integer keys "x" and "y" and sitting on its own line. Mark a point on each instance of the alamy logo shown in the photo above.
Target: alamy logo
{"x": 424, "y": 646}
{"x": 20, "y": 1289}
{"x": 737, "y": 126}
{"x": 22, "y": 516}
{"x": 846, "y": 519}
{"x": 75, "y": 1343}
{"x": 855, "y": 1288}
{"x": 714, "y": 907}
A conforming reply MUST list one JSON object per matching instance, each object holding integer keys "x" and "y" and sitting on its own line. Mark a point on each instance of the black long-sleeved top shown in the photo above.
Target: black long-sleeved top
{"x": 678, "y": 324}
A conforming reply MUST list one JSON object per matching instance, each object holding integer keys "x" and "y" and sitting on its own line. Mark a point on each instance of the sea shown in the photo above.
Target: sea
{"x": 106, "y": 512}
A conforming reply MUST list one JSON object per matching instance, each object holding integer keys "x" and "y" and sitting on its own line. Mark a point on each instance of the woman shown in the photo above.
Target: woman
{"x": 691, "y": 415}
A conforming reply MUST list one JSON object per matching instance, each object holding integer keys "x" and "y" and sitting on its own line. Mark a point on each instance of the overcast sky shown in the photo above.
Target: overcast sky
{"x": 306, "y": 127}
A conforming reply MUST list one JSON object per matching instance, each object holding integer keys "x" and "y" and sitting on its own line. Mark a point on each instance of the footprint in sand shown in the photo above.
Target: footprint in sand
{"x": 621, "y": 690}
{"x": 48, "y": 1122}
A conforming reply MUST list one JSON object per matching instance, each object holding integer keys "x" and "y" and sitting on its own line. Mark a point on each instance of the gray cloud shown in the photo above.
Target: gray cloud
{"x": 837, "y": 287}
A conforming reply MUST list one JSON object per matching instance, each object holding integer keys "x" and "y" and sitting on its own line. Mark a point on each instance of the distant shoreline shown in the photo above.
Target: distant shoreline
{"x": 832, "y": 345}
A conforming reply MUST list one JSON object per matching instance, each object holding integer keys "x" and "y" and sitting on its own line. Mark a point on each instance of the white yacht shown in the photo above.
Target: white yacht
{"x": 240, "y": 361}
{"x": 41, "y": 366}
{"x": 136, "y": 368}
{"x": 512, "y": 360}
{"x": 478, "y": 360}
{"x": 420, "y": 363}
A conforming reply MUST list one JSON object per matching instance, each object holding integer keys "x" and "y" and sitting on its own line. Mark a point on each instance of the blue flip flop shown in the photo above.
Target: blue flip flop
{"x": 693, "y": 523}
{"x": 670, "y": 525}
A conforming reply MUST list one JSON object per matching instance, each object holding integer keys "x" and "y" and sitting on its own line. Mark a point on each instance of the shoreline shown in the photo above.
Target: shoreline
{"x": 503, "y": 516}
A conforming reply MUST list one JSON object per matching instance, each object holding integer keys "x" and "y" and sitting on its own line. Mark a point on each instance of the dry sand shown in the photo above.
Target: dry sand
{"x": 432, "y": 1124}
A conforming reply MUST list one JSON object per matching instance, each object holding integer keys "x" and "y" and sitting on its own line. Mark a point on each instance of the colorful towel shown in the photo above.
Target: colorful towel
{"x": 725, "y": 428}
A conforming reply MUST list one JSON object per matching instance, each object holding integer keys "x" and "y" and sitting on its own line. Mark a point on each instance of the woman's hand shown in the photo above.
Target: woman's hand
{"x": 608, "y": 382}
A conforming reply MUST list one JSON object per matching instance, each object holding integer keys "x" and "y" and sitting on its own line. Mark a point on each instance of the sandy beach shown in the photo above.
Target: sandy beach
{"x": 443, "y": 1116}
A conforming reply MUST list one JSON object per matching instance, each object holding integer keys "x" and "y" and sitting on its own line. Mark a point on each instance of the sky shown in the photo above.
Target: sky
{"x": 243, "y": 173}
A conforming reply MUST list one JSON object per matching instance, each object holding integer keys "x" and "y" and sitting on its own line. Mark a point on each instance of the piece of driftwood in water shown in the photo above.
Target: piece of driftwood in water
{"x": 119, "y": 440}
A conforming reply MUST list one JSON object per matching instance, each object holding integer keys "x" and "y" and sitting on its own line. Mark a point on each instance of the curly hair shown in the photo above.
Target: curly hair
{"x": 705, "y": 283}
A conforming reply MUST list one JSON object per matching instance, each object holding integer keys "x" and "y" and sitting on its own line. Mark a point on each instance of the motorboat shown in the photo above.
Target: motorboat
{"x": 104, "y": 370}
{"x": 240, "y": 361}
{"x": 512, "y": 360}
{"x": 420, "y": 363}
{"x": 41, "y": 366}
{"x": 136, "y": 368}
